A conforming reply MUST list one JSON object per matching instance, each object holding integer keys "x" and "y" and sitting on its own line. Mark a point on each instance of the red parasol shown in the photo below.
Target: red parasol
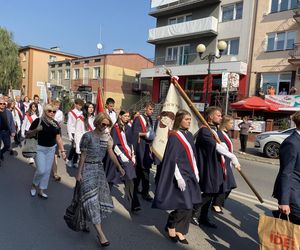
{"x": 253, "y": 103}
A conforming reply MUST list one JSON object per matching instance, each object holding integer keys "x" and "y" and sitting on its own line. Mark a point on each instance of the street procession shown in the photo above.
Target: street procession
{"x": 184, "y": 134}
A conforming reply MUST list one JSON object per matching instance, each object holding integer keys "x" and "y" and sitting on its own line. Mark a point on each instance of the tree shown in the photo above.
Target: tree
{"x": 10, "y": 69}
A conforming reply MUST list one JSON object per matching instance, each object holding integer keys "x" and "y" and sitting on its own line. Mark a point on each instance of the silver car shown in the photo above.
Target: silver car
{"x": 268, "y": 143}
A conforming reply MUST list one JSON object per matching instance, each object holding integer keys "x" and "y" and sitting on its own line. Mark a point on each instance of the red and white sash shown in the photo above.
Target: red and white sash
{"x": 189, "y": 151}
{"x": 29, "y": 118}
{"x": 89, "y": 126}
{"x": 19, "y": 112}
{"x": 74, "y": 114}
{"x": 143, "y": 123}
{"x": 123, "y": 140}
{"x": 228, "y": 141}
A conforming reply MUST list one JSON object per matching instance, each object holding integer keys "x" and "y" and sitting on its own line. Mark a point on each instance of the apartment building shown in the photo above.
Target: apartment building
{"x": 276, "y": 56}
{"x": 117, "y": 72}
{"x": 183, "y": 24}
{"x": 34, "y": 63}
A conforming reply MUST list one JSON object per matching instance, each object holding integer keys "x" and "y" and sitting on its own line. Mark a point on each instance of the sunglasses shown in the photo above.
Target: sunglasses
{"x": 103, "y": 124}
{"x": 2, "y": 103}
{"x": 51, "y": 111}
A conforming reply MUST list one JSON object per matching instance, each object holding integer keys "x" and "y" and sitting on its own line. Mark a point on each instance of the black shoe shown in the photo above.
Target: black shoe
{"x": 217, "y": 209}
{"x": 207, "y": 222}
{"x": 147, "y": 198}
{"x": 172, "y": 238}
{"x": 86, "y": 229}
{"x": 184, "y": 241}
{"x": 195, "y": 221}
{"x": 104, "y": 244}
{"x": 11, "y": 152}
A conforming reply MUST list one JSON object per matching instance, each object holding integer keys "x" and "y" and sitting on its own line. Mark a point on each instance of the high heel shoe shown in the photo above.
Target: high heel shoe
{"x": 43, "y": 195}
{"x": 172, "y": 238}
{"x": 104, "y": 244}
{"x": 183, "y": 241}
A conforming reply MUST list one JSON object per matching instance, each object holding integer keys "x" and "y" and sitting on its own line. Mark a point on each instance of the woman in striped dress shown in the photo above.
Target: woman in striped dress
{"x": 95, "y": 193}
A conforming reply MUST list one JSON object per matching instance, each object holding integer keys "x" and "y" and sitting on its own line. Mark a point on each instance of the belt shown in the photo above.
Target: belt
{"x": 93, "y": 162}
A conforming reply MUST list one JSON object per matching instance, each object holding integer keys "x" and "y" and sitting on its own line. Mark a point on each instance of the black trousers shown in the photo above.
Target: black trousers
{"x": 142, "y": 174}
{"x": 131, "y": 194}
{"x": 200, "y": 211}
{"x": 180, "y": 220}
{"x": 73, "y": 156}
{"x": 5, "y": 138}
{"x": 219, "y": 199}
{"x": 243, "y": 140}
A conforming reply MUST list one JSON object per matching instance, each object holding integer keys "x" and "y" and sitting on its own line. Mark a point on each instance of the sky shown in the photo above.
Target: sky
{"x": 77, "y": 26}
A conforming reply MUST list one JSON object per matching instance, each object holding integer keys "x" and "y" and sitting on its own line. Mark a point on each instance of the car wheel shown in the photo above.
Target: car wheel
{"x": 271, "y": 150}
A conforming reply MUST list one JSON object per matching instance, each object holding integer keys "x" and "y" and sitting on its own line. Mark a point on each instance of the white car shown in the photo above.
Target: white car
{"x": 268, "y": 143}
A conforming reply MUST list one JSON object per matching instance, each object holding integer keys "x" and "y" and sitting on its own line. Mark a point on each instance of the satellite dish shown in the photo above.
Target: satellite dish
{"x": 99, "y": 46}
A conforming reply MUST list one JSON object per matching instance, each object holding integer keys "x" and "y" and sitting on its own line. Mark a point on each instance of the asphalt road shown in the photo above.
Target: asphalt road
{"x": 32, "y": 223}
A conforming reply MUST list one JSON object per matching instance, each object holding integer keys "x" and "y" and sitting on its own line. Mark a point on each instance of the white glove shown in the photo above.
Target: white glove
{"x": 124, "y": 158}
{"x": 181, "y": 184}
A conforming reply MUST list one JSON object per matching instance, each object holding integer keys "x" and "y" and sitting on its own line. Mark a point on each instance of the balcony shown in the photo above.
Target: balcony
{"x": 295, "y": 55}
{"x": 185, "y": 59}
{"x": 163, "y": 7}
{"x": 204, "y": 26}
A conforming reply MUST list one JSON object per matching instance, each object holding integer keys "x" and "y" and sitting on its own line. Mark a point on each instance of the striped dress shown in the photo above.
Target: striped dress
{"x": 95, "y": 192}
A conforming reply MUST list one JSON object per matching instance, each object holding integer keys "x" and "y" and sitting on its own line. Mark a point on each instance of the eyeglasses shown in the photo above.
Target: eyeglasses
{"x": 103, "y": 124}
{"x": 51, "y": 111}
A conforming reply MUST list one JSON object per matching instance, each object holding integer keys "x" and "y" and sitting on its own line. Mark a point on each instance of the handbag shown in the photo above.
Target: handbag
{"x": 275, "y": 233}
{"x": 75, "y": 217}
{"x": 30, "y": 145}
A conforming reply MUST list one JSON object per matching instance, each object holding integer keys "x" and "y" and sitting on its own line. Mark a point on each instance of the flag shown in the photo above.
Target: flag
{"x": 99, "y": 102}
{"x": 174, "y": 101}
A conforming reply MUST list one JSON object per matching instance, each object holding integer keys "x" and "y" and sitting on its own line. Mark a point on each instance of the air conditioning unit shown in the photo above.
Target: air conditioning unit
{"x": 298, "y": 71}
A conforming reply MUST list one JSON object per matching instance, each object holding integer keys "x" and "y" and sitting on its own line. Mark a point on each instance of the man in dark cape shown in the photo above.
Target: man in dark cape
{"x": 143, "y": 135}
{"x": 210, "y": 168}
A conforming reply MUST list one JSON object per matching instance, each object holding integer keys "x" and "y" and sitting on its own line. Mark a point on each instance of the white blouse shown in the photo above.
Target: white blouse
{"x": 80, "y": 130}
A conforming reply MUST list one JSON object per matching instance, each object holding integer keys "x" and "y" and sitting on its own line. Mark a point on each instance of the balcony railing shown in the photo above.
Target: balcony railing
{"x": 180, "y": 60}
{"x": 295, "y": 53}
{"x": 179, "y": 30}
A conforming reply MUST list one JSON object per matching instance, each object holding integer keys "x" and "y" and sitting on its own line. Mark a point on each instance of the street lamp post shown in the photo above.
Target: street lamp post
{"x": 201, "y": 48}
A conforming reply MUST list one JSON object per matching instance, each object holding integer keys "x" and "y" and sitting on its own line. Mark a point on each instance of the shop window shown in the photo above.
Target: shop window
{"x": 194, "y": 88}
{"x": 273, "y": 83}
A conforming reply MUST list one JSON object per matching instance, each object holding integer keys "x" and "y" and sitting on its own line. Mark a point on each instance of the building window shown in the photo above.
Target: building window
{"x": 76, "y": 63}
{"x": 282, "y": 5}
{"x": 24, "y": 57}
{"x": 97, "y": 60}
{"x": 96, "y": 72}
{"x": 232, "y": 47}
{"x": 232, "y": 12}
{"x": 281, "y": 40}
{"x": 76, "y": 74}
{"x": 178, "y": 54}
{"x": 67, "y": 74}
{"x": 52, "y": 75}
{"x": 52, "y": 58}
{"x": 59, "y": 76}
{"x": 24, "y": 73}
{"x": 180, "y": 19}
{"x": 280, "y": 82}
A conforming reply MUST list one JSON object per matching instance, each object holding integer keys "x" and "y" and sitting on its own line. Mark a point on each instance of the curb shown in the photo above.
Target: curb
{"x": 250, "y": 157}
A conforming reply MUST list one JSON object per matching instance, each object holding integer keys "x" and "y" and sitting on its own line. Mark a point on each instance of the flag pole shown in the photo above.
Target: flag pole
{"x": 204, "y": 122}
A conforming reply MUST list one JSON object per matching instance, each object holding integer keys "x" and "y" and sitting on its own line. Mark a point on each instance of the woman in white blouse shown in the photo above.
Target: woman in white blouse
{"x": 84, "y": 123}
{"x": 29, "y": 117}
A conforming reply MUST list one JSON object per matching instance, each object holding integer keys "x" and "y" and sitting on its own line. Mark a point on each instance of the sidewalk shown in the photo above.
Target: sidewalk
{"x": 252, "y": 154}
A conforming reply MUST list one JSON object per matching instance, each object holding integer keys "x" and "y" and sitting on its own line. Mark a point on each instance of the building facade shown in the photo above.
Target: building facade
{"x": 275, "y": 57}
{"x": 180, "y": 27}
{"x": 117, "y": 74}
{"x": 34, "y": 63}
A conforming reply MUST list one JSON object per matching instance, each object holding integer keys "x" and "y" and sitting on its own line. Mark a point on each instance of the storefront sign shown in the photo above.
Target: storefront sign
{"x": 258, "y": 126}
{"x": 200, "y": 106}
{"x": 284, "y": 102}
{"x": 231, "y": 80}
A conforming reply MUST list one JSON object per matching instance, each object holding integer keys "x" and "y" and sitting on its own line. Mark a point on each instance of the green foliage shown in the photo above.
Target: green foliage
{"x": 258, "y": 118}
{"x": 10, "y": 69}
{"x": 284, "y": 124}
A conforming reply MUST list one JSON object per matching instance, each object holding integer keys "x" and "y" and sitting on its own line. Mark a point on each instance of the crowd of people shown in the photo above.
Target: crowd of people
{"x": 194, "y": 176}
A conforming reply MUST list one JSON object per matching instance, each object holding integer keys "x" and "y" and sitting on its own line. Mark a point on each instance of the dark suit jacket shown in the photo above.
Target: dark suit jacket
{"x": 10, "y": 121}
{"x": 287, "y": 184}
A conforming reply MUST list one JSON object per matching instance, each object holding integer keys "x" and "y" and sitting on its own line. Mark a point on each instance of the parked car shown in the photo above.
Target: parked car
{"x": 268, "y": 143}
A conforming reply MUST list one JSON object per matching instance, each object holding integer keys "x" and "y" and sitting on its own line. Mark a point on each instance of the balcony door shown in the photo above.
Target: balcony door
{"x": 178, "y": 55}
